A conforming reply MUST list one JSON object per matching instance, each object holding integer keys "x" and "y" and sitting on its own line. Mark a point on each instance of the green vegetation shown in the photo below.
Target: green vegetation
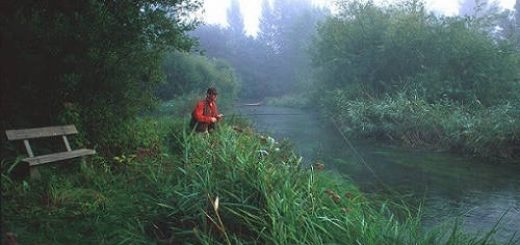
{"x": 273, "y": 63}
{"x": 204, "y": 189}
{"x": 91, "y": 63}
{"x": 492, "y": 132}
{"x": 104, "y": 65}
{"x": 398, "y": 73}
{"x": 189, "y": 73}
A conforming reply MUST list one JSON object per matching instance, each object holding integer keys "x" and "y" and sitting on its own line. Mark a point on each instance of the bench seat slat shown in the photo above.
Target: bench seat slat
{"x": 30, "y": 133}
{"x": 58, "y": 156}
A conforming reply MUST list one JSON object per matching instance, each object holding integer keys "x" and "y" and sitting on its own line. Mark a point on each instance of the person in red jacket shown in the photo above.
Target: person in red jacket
{"x": 205, "y": 114}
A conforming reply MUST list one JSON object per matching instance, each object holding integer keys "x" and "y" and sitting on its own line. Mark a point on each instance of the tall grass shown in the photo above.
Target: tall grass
{"x": 489, "y": 132}
{"x": 229, "y": 187}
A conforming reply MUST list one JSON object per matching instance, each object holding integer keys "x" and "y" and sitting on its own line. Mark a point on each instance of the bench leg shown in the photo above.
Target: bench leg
{"x": 35, "y": 174}
{"x": 83, "y": 164}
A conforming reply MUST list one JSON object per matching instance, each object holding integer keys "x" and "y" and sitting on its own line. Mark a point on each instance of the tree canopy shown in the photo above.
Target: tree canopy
{"x": 92, "y": 63}
{"x": 405, "y": 48}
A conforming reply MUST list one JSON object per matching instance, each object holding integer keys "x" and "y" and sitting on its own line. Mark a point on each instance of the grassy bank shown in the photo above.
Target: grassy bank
{"x": 487, "y": 132}
{"x": 231, "y": 187}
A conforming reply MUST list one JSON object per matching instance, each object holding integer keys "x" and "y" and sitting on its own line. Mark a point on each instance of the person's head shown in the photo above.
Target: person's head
{"x": 211, "y": 94}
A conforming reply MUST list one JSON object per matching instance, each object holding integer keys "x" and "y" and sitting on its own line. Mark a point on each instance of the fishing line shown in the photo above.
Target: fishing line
{"x": 361, "y": 159}
{"x": 358, "y": 155}
{"x": 344, "y": 137}
{"x": 387, "y": 188}
{"x": 272, "y": 114}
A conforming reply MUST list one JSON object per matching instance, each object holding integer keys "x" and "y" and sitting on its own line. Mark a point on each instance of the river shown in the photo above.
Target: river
{"x": 448, "y": 186}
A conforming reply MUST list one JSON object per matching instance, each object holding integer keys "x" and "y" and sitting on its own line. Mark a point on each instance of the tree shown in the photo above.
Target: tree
{"x": 517, "y": 11}
{"x": 468, "y": 7}
{"x": 91, "y": 63}
{"x": 274, "y": 62}
{"x": 515, "y": 36}
{"x": 482, "y": 14}
{"x": 235, "y": 20}
{"x": 508, "y": 26}
{"x": 286, "y": 29}
{"x": 517, "y": 17}
{"x": 188, "y": 73}
{"x": 381, "y": 51}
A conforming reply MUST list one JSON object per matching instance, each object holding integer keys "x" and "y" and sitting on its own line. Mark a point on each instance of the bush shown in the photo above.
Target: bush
{"x": 385, "y": 50}
{"x": 192, "y": 74}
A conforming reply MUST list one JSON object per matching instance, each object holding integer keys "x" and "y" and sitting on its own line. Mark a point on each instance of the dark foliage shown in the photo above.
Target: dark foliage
{"x": 90, "y": 63}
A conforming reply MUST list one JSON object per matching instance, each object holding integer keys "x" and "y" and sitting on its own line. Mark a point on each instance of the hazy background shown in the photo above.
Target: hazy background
{"x": 215, "y": 11}
{"x": 268, "y": 42}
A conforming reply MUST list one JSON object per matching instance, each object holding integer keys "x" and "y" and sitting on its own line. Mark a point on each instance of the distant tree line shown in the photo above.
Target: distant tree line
{"x": 276, "y": 61}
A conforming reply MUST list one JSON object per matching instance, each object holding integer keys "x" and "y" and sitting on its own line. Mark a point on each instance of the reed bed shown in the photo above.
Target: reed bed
{"x": 485, "y": 132}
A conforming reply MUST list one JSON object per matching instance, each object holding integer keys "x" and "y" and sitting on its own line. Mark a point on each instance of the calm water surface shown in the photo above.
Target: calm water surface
{"x": 449, "y": 186}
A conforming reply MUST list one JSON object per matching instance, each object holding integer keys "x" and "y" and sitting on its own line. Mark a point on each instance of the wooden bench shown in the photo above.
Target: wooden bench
{"x": 55, "y": 131}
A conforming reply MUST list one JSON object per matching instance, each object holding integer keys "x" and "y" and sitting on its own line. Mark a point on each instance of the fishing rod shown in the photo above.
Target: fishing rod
{"x": 254, "y": 115}
{"x": 270, "y": 114}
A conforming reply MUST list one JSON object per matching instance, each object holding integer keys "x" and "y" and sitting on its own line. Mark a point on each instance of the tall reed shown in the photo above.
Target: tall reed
{"x": 488, "y": 132}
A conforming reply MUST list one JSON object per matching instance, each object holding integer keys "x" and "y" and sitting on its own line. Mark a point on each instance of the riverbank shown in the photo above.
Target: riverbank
{"x": 233, "y": 186}
{"x": 491, "y": 133}
{"x": 447, "y": 186}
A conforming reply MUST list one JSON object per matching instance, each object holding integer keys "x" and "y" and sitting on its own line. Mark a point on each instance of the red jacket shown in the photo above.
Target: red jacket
{"x": 204, "y": 111}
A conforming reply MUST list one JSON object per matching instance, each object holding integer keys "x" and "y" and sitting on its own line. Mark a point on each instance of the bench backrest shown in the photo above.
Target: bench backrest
{"x": 31, "y": 133}
{"x": 53, "y": 131}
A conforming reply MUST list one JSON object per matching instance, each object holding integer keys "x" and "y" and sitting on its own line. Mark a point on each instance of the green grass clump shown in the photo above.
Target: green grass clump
{"x": 489, "y": 132}
{"x": 233, "y": 186}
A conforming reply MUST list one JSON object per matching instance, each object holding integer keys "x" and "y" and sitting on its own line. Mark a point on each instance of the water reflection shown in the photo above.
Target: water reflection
{"x": 449, "y": 186}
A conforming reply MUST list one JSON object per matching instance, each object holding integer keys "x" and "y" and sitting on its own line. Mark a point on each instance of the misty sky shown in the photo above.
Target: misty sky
{"x": 215, "y": 10}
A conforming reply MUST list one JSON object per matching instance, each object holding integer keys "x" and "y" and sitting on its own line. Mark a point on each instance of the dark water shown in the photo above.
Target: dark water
{"x": 449, "y": 186}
